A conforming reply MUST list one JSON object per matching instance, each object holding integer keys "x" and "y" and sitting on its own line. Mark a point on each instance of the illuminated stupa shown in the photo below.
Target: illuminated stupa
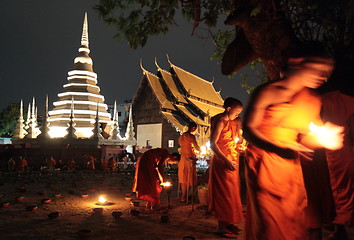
{"x": 81, "y": 97}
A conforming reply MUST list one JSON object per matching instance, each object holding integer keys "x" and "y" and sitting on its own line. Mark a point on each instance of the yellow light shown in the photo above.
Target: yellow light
{"x": 203, "y": 150}
{"x": 77, "y": 111}
{"x": 82, "y": 72}
{"x": 102, "y": 199}
{"x": 59, "y": 132}
{"x": 166, "y": 184}
{"x": 329, "y": 135}
{"x": 80, "y": 94}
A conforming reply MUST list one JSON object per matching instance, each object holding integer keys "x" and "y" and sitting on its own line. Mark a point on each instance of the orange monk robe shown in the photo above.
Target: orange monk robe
{"x": 339, "y": 109}
{"x": 224, "y": 185}
{"x": 276, "y": 193}
{"x": 90, "y": 163}
{"x": 105, "y": 165}
{"x": 22, "y": 165}
{"x": 147, "y": 179}
{"x": 186, "y": 165}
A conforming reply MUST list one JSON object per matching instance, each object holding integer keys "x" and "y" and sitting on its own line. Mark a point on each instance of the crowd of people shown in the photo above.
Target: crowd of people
{"x": 286, "y": 124}
{"x": 124, "y": 161}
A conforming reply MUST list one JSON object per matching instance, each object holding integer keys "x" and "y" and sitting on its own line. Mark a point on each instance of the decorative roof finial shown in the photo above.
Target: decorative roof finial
{"x": 44, "y": 129}
{"x": 20, "y": 132}
{"x": 84, "y": 38}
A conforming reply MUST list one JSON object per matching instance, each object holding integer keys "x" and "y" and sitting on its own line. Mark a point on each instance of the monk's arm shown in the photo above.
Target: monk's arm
{"x": 215, "y": 134}
{"x": 253, "y": 118}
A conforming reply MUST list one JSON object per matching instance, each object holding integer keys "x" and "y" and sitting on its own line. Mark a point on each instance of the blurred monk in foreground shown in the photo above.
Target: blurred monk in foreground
{"x": 149, "y": 175}
{"x": 280, "y": 123}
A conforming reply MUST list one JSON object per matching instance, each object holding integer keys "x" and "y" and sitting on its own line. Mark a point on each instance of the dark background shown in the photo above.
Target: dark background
{"x": 40, "y": 39}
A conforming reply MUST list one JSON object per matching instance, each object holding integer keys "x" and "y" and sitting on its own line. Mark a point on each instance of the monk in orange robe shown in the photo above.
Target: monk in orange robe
{"x": 51, "y": 163}
{"x": 224, "y": 180}
{"x": 149, "y": 175}
{"x": 338, "y": 108}
{"x": 187, "y": 171}
{"x": 90, "y": 163}
{"x": 276, "y": 125}
{"x": 22, "y": 165}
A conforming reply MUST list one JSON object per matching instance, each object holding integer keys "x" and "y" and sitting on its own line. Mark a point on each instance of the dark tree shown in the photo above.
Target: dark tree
{"x": 264, "y": 30}
{"x": 8, "y": 119}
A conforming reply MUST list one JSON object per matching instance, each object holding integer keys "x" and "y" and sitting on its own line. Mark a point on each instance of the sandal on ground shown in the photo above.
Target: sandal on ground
{"x": 226, "y": 235}
{"x": 233, "y": 229}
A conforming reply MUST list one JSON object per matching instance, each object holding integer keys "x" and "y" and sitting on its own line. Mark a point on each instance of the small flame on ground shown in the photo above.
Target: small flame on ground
{"x": 102, "y": 199}
{"x": 166, "y": 184}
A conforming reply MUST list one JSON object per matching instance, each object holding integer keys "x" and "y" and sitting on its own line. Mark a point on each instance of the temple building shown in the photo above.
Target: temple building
{"x": 80, "y": 122}
{"x": 82, "y": 94}
{"x": 167, "y": 101}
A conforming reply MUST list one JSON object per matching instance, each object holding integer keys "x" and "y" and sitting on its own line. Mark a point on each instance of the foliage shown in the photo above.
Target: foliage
{"x": 262, "y": 76}
{"x": 8, "y": 119}
{"x": 328, "y": 21}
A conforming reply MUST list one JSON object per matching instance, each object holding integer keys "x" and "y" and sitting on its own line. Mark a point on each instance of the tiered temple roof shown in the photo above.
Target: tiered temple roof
{"x": 184, "y": 97}
{"x": 81, "y": 92}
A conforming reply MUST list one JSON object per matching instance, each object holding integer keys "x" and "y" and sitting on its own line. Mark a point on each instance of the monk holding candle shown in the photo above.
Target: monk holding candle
{"x": 277, "y": 128}
{"x": 224, "y": 180}
{"x": 338, "y": 108}
{"x": 187, "y": 172}
{"x": 149, "y": 175}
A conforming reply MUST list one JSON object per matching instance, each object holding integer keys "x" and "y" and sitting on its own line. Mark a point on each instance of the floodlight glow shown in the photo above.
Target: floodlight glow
{"x": 80, "y": 94}
{"x": 82, "y": 72}
{"x": 68, "y": 111}
{"x": 81, "y": 77}
{"x": 59, "y": 103}
{"x": 87, "y": 60}
{"x": 84, "y": 50}
{"x": 59, "y": 132}
{"x": 81, "y": 85}
{"x": 77, "y": 120}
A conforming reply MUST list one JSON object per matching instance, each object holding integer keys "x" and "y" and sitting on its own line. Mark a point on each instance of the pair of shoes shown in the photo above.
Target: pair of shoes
{"x": 226, "y": 235}
{"x": 233, "y": 228}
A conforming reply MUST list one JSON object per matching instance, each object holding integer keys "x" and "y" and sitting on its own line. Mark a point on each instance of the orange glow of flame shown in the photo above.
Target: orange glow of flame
{"x": 318, "y": 130}
{"x": 166, "y": 184}
{"x": 329, "y": 135}
{"x": 102, "y": 199}
{"x": 203, "y": 150}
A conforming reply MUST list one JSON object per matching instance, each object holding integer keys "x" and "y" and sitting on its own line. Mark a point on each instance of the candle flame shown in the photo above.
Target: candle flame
{"x": 329, "y": 135}
{"x": 203, "y": 150}
{"x": 317, "y": 129}
{"x": 166, "y": 184}
{"x": 102, "y": 199}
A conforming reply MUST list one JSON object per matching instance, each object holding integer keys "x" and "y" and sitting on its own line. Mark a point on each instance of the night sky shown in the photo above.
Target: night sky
{"x": 40, "y": 39}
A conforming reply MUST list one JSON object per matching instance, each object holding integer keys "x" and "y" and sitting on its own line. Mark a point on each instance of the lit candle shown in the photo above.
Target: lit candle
{"x": 203, "y": 150}
{"x": 166, "y": 184}
{"x": 102, "y": 200}
{"x": 329, "y": 135}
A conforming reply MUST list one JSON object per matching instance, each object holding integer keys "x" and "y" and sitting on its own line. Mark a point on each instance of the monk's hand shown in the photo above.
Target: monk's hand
{"x": 230, "y": 165}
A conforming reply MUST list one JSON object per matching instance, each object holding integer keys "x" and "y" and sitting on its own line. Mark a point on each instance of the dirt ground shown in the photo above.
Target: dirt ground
{"x": 77, "y": 214}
